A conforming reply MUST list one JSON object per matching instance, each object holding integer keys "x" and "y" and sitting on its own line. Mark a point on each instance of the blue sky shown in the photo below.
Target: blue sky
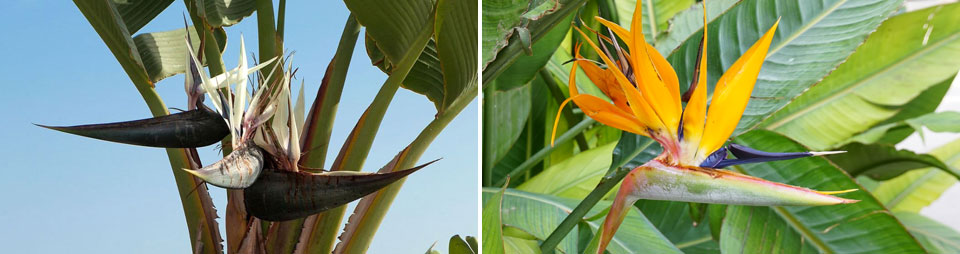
{"x": 61, "y": 193}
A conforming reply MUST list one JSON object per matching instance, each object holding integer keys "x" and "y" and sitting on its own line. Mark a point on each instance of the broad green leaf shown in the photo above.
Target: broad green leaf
{"x": 393, "y": 25}
{"x": 517, "y": 155}
{"x": 862, "y": 227}
{"x": 498, "y": 25}
{"x": 574, "y": 177}
{"x": 539, "y": 214}
{"x": 163, "y": 53}
{"x": 913, "y": 190}
{"x": 917, "y": 189}
{"x": 948, "y": 121}
{"x": 505, "y": 115}
{"x": 425, "y": 78}
{"x": 689, "y": 22}
{"x": 525, "y": 68}
{"x": 456, "y": 37}
{"x": 761, "y": 229}
{"x": 923, "y": 104}
{"x": 502, "y": 17}
{"x": 446, "y": 67}
{"x": 493, "y": 223}
{"x": 673, "y": 220}
{"x": 715, "y": 216}
{"x": 882, "y": 162}
{"x": 518, "y": 245}
{"x": 137, "y": 14}
{"x": 655, "y": 14}
{"x": 935, "y": 237}
{"x": 460, "y": 246}
{"x": 813, "y": 37}
{"x": 219, "y": 13}
{"x": 105, "y": 19}
{"x": 905, "y": 57}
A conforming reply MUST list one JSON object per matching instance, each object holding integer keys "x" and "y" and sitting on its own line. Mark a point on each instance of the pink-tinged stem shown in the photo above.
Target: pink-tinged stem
{"x": 621, "y": 205}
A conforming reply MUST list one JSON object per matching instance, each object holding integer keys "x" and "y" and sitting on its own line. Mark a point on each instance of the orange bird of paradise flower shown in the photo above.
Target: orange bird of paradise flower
{"x": 646, "y": 100}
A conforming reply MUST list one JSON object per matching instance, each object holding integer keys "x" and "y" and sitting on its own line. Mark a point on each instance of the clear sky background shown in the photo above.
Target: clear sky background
{"x": 61, "y": 193}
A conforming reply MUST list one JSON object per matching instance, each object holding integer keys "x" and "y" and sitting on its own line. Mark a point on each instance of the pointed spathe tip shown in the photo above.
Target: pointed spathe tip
{"x": 826, "y": 153}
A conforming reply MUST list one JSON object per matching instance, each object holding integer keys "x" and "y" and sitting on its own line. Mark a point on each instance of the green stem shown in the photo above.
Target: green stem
{"x": 281, "y": 18}
{"x": 537, "y": 157}
{"x": 266, "y": 29}
{"x": 567, "y": 112}
{"x": 357, "y": 146}
{"x": 315, "y": 234}
{"x": 320, "y": 123}
{"x": 606, "y": 184}
{"x": 369, "y": 214}
{"x": 613, "y": 176}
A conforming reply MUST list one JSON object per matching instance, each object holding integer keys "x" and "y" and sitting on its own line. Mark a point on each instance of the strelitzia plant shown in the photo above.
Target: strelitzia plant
{"x": 264, "y": 124}
{"x": 646, "y": 100}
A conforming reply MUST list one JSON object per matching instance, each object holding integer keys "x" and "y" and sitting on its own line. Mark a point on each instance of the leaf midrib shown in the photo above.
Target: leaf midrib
{"x": 913, "y": 186}
{"x": 908, "y": 58}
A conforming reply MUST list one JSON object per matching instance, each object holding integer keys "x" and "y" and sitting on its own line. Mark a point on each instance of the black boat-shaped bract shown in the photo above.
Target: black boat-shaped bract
{"x": 279, "y": 195}
{"x": 189, "y": 129}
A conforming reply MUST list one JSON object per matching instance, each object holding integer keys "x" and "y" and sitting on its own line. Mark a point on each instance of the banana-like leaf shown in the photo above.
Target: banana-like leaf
{"x": 460, "y": 246}
{"x": 673, "y": 220}
{"x": 505, "y": 115}
{"x": 935, "y": 237}
{"x": 425, "y": 78}
{"x": 948, "y": 121}
{"x": 575, "y": 177}
{"x": 865, "y": 226}
{"x": 689, "y": 22}
{"x": 893, "y": 66}
{"x": 524, "y": 69}
{"x": 917, "y": 189}
{"x": 220, "y": 13}
{"x": 497, "y": 30}
{"x": 162, "y": 53}
{"x": 446, "y": 67}
{"x": 493, "y": 239}
{"x": 882, "y": 162}
{"x": 393, "y": 25}
{"x": 503, "y": 18}
{"x": 831, "y": 29}
{"x": 894, "y": 129}
{"x": 137, "y": 14}
{"x": 539, "y": 214}
{"x": 655, "y": 14}
{"x": 456, "y": 37}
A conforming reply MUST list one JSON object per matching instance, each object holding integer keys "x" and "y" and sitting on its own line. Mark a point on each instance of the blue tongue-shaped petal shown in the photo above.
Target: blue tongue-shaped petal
{"x": 749, "y": 155}
{"x": 716, "y": 157}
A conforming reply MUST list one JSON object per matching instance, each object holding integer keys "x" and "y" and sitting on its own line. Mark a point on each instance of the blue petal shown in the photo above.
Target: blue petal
{"x": 749, "y": 155}
{"x": 715, "y": 158}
